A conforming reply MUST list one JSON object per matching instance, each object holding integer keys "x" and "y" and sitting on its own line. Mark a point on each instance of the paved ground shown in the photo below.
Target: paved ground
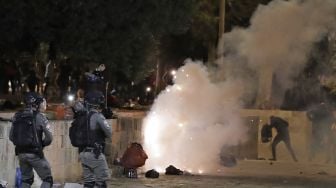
{"x": 247, "y": 174}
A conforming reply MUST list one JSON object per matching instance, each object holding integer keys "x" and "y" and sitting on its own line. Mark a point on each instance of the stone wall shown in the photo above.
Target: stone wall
{"x": 62, "y": 156}
{"x": 299, "y": 130}
{"x": 127, "y": 128}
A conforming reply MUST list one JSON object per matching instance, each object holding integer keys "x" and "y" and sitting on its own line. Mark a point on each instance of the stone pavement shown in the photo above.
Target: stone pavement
{"x": 247, "y": 174}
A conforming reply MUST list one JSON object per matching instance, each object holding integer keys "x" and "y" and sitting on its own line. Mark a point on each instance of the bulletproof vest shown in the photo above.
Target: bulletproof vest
{"x": 97, "y": 135}
{"x": 79, "y": 130}
{"x": 80, "y": 133}
{"x": 27, "y": 136}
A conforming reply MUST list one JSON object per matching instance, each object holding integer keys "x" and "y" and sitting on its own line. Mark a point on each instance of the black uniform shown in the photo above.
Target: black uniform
{"x": 281, "y": 127}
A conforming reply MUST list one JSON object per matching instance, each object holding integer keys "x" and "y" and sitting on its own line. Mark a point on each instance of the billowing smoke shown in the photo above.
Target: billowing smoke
{"x": 193, "y": 119}
{"x": 280, "y": 38}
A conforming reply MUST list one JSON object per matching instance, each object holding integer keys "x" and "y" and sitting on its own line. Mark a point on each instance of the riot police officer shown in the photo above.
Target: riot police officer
{"x": 31, "y": 156}
{"x": 95, "y": 169}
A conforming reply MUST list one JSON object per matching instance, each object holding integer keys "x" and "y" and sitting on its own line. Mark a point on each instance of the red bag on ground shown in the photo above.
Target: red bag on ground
{"x": 134, "y": 156}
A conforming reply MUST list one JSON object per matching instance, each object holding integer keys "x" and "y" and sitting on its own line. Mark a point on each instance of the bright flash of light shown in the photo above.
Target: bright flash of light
{"x": 71, "y": 97}
{"x": 159, "y": 169}
{"x": 148, "y": 89}
{"x": 152, "y": 141}
{"x": 173, "y": 72}
{"x": 174, "y": 130}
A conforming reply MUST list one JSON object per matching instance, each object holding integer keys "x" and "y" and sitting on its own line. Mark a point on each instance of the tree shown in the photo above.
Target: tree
{"x": 120, "y": 33}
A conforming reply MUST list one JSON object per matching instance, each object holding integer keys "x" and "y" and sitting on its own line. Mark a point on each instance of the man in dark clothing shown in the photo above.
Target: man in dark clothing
{"x": 32, "y": 81}
{"x": 32, "y": 157}
{"x": 281, "y": 126}
{"x": 63, "y": 79}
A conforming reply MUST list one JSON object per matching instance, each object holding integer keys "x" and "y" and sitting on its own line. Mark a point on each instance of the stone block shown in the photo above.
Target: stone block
{"x": 3, "y": 131}
{"x": 67, "y": 156}
{"x": 58, "y": 173}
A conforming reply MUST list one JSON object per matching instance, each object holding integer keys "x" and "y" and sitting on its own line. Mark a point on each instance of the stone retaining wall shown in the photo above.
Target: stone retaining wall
{"x": 127, "y": 128}
{"x": 62, "y": 156}
{"x": 299, "y": 130}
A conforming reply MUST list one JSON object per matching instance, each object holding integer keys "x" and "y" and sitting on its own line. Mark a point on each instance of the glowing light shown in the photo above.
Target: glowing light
{"x": 173, "y": 72}
{"x": 159, "y": 169}
{"x": 9, "y": 87}
{"x": 152, "y": 126}
{"x": 200, "y": 171}
{"x": 175, "y": 77}
{"x": 168, "y": 90}
{"x": 71, "y": 97}
{"x": 180, "y": 124}
{"x": 178, "y": 87}
{"x": 189, "y": 170}
{"x": 187, "y": 75}
{"x": 148, "y": 89}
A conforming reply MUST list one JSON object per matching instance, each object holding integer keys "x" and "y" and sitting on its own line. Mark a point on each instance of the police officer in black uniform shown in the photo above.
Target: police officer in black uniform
{"x": 31, "y": 157}
{"x": 95, "y": 169}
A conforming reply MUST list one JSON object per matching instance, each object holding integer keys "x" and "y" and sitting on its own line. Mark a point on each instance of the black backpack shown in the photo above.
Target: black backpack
{"x": 79, "y": 132}
{"x": 266, "y": 133}
{"x": 172, "y": 170}
{"x": 24, "y": 130}
{"x": 152, "y": 174}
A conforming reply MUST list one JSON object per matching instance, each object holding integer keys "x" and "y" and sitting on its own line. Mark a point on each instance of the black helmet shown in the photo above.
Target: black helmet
{"x": 94, "y": 98}
{"x": 33, "y": 99}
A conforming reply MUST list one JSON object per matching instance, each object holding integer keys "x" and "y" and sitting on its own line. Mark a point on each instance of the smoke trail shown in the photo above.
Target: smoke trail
{"x": 191, "y": 120}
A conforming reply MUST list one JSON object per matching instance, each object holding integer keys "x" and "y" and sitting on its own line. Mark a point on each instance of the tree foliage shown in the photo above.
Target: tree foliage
{"x": 120, "y": 33}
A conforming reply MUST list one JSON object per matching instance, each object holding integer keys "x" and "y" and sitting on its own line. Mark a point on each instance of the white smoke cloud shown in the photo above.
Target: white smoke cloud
{"x": 281, "y": 37}
{"x": 191, "y": 120}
